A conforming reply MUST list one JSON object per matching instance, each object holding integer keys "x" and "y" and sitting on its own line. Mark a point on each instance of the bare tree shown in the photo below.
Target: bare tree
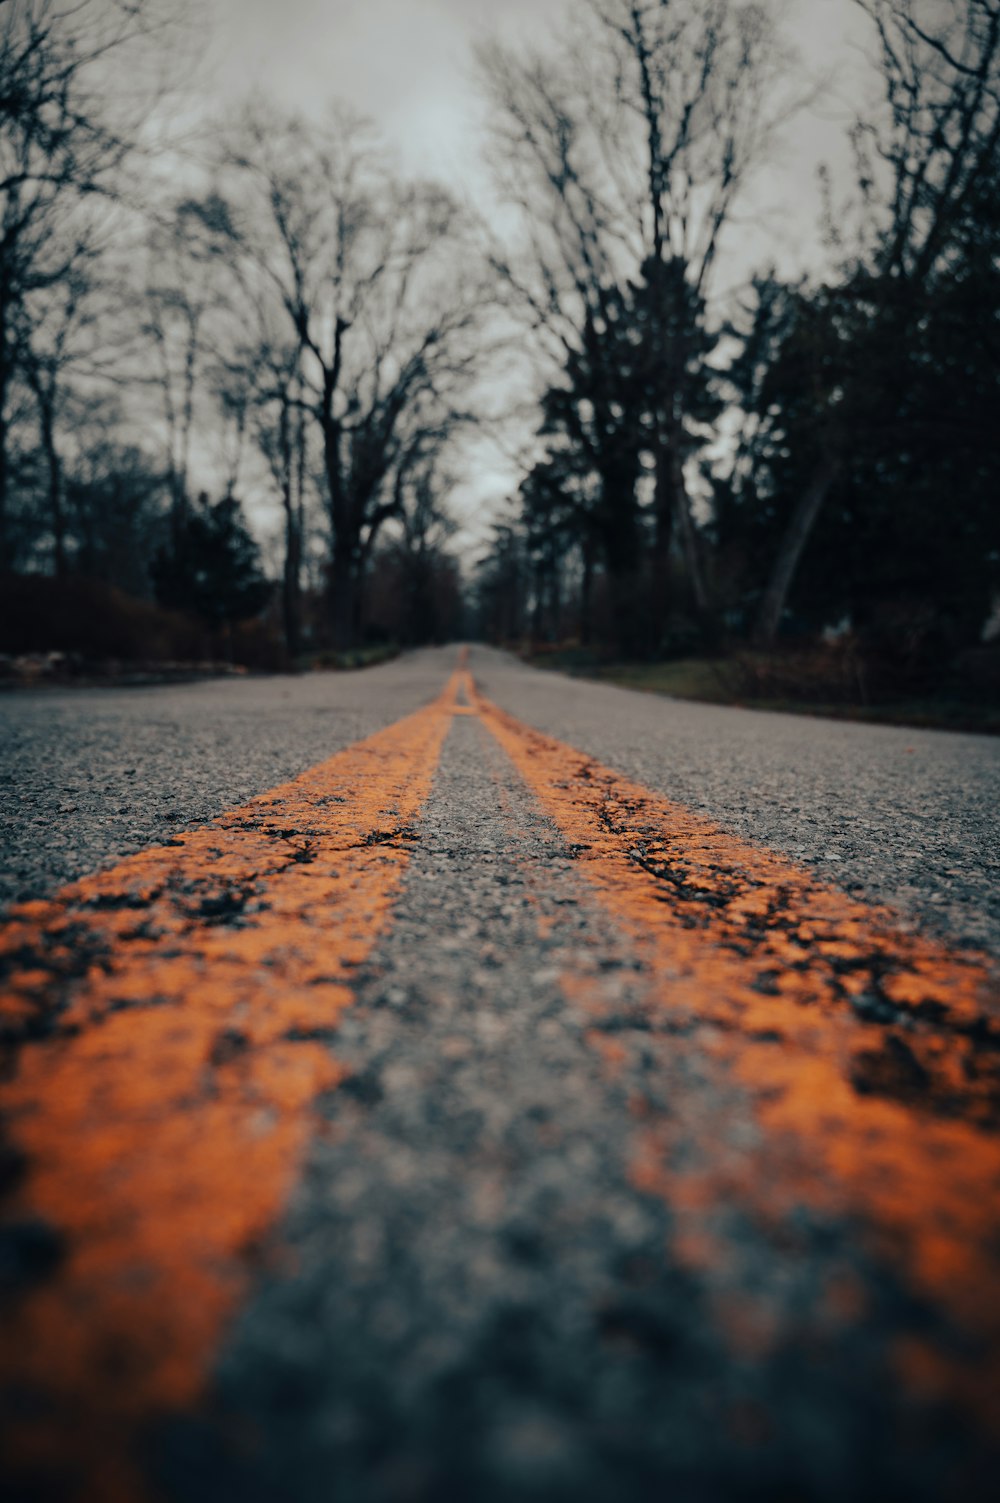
{"x": 63, "y": 144}
{"x": 278, "y": 421}
{"x": 708, "y": 85}
{"x": 185, "y": 322}
{"x": 625, "y": 154}
{"x": 369, "y": 277}
{"x": 46, "y": 353}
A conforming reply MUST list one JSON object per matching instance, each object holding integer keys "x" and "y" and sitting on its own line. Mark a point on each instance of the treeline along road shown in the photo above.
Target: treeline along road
{"x": 460, "y": 1081}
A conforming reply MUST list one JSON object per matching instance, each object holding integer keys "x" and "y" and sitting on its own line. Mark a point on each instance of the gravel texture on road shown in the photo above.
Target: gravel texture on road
{"x": 896, "y": 815}
{"x": 469, "y": 1298}
{"x": 90, "y": 775}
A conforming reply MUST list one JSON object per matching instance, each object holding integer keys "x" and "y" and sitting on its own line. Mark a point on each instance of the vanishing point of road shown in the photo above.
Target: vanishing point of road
{"x": 454, "y": 1081}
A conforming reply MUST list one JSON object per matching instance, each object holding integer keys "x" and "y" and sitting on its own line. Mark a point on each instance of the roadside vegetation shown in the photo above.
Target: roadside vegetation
{"x": 240, "y": 376}
{"x": 287, "y": 320}
{"x": 815, "y": 681}
{"x": 785, "y": 495}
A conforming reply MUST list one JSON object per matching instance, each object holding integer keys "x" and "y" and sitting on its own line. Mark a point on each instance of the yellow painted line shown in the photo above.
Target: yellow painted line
{"x": 891, "y": 1125}
{"x": 170, "y": 1015}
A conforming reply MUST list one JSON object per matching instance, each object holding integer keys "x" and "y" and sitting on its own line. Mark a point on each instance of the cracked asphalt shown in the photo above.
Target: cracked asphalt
{"x": 568, "y": 1219}
{"x": 894, "y": 814}
{"x": 899, "y": 815}
{"x": 91, "y": 775}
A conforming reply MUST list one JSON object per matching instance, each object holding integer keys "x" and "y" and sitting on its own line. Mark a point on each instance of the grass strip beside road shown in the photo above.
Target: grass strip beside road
{"x": 869, "y": 1059}
{"x": 722, "y": 681}
{"x": 169, "y": 1023}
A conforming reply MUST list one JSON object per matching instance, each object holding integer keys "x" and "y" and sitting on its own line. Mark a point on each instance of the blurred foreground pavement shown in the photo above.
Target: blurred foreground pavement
{"x": 611, "y": 1157}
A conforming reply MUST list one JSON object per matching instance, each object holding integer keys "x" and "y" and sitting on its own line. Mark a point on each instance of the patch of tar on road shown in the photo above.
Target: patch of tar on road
{"x": 480, "y": 1299}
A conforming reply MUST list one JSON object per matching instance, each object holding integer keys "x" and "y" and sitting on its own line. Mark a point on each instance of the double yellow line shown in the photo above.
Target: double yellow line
{"x": 170, "y": 1020}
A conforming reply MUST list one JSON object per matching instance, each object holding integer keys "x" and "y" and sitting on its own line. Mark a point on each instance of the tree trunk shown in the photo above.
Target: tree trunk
{"x": 359, "y": 602}
{"x": 626, "y": 602}
{"x": 789, "y": 555}
{"x": 342, "y": 597}
{"x": 538, "y": 605}
{"x": 178, "y": 510}
{"x": 6, "y": 551}
{"x": 57, "y": 515}
{"x": 586, "y": 590}
{"x": 290, "y": 594}
{"x": 362, "y": 556}
{"x": 659, "y": 573}
{"x": 342, "y": 604}
{"x": 622, "y": 558}
{"x": 688, "y": 535}
{"x": 342, "y": 511}
{"x": 291, "y": 575}
{"x": 555, "y": 599}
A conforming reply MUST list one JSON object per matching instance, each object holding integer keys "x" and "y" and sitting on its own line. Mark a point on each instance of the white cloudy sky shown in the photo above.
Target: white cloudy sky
{"x": 407, "y": 64}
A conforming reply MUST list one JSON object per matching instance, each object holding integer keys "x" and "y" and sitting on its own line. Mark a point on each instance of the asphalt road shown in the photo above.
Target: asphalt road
{"x": 900, "y": 815}
{"x": 90, "y": 775}
{"x": 894, "y": 814}
{"x": 550, "y": 1236}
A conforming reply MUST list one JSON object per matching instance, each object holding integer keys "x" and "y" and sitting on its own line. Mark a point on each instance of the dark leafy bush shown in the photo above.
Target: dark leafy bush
{"x": 93, "y": 623}
{"x": 92, "y": 620}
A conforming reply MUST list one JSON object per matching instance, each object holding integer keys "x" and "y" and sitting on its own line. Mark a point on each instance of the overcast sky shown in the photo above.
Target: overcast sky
{"x": 408, "y": 65}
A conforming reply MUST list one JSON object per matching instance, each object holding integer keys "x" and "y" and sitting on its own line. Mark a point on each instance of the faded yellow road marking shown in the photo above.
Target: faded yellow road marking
{"x": 170, "y": 1014}
{"x": 163, "y": 1115}
{"x": 869, "y": 1058}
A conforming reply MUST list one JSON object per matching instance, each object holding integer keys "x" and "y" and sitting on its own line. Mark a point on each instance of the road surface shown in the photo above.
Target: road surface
{"x": 456, "y": 1081}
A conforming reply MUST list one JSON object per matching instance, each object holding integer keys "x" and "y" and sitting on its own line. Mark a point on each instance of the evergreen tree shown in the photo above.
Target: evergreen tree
{"x": 212, "y": 568}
